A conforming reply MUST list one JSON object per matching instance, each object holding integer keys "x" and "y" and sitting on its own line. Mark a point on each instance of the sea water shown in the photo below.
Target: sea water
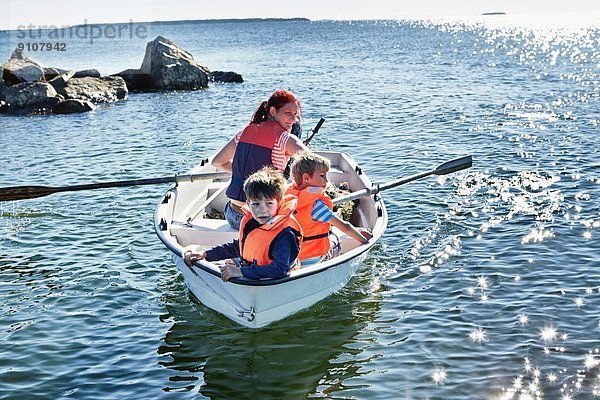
{"x": 486, "y": 283}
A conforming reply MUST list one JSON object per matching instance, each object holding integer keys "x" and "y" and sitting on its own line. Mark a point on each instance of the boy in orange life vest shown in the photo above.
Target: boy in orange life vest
{"x": 314, "y": 211}
{"x": 270, "y": 236}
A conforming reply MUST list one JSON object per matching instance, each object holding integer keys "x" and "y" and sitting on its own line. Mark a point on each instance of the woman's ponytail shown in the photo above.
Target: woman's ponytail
{"x": 261, "y": 114}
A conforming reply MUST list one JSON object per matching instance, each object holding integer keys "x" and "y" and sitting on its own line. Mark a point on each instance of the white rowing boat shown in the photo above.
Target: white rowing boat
{"x": 181, "y": 220}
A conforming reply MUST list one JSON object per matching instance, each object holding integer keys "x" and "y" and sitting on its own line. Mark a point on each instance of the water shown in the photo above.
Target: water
{"x": 486, "y": 283}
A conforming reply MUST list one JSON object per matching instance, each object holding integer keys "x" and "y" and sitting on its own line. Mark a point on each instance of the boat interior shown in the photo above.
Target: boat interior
{"x": 198, "y": 208}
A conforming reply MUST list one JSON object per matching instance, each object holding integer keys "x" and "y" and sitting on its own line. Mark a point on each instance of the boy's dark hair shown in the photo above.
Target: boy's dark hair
{"x": 266, "y": 183}
{"x": 308, "y": 162}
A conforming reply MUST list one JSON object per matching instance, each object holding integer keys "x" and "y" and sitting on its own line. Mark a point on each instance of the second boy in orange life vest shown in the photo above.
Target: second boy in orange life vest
{"x": 314, "y": 210}
{"x": 270, "y": 236}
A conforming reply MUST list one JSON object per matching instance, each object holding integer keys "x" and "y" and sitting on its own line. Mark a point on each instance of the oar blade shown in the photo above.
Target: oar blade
{"x": 24, "y": 192}
{"x": 451, "y": 166}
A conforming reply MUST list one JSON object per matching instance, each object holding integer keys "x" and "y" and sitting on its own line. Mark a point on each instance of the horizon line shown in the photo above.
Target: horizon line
{"x": 490, "y": 14}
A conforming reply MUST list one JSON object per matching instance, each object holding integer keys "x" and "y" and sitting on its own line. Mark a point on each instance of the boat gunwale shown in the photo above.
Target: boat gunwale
{"x": 354, "y": 253}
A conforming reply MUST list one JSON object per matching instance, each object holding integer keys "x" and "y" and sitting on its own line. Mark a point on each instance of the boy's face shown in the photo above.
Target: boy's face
{"x": 317, "y": 179}
{"x": 264, "y": 209}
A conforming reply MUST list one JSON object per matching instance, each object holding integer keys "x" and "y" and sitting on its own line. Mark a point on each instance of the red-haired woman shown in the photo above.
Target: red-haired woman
{"x": 265, "y": 141}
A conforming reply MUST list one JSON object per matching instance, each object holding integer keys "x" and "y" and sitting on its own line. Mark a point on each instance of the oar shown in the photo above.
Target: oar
{"x": 31, "y": 192}
{"x": 314, "y": 131}
{"x": 288, "y": 167}
{"x": 444, "y": 169}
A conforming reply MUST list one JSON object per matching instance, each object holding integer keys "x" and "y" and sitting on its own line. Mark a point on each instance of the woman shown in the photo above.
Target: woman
{"x": 266, "y": 141}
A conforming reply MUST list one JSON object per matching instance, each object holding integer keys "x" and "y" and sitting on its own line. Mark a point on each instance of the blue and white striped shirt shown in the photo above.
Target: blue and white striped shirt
{"x": 320, "y": 212}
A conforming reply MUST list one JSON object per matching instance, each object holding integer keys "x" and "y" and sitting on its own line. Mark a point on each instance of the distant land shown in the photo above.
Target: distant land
{"x": 176, "y": 22}
{"x": 196, "y": 21}
{"x": 494, "y": 13}
{"x": 231, "y": 20}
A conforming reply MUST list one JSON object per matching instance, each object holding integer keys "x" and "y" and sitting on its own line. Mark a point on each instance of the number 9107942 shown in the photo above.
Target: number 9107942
{"x": 42, "y": 46}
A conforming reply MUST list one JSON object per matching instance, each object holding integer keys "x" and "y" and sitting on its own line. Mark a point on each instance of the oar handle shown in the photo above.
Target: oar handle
{"x": 314, "y": 131}
{"x": 288, "y": 167}
{"x": 444, "y": 169}
{"x": 31, "y": 192}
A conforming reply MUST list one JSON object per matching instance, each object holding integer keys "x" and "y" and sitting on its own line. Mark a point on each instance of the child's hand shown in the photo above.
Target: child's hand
{"x": 189, "y": 257}
{"x": 230, "y": 270}
{"x": 366, "y": 233}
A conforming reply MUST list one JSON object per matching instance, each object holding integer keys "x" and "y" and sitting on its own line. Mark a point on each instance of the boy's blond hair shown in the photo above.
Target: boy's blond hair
{"x": 308, "y": 162}
{"x": 266, "y": 183}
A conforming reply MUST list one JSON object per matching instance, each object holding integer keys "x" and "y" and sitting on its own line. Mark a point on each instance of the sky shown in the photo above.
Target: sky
{"x": 38, "y": 13}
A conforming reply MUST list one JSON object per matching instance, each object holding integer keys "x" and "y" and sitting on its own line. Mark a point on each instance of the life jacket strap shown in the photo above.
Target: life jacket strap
{"x": 314, "y": 237}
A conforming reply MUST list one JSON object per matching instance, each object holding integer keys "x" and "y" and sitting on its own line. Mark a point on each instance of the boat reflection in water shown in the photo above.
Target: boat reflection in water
{"x": 308, "y": 353}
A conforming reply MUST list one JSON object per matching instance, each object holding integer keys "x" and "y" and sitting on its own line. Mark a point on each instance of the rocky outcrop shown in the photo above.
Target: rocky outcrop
{"x": 166, "y": 66}
{"x": 226, "y": 77}
{"x": 27, "y": 87}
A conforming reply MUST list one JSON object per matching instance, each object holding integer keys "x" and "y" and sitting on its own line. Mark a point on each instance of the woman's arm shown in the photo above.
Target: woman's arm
{"x": 223, "y": 158}
{"x": 294, "y": 145}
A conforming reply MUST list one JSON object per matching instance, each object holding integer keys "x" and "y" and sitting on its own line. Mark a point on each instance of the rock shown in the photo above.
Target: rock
{"x": 71, "y": 106}
{"x": 51, "y": 73}
{"x": 3, "y": 107}
{"x": 172, "y": 68}
{"x": 2, "y": 84}
{"x": 93, "y": 73}
{"x": 28, "y": 94}
{"x": 97, "y": 90}
{"x": 60, "y": 82}
{"x": 47, "y": 105}
{"x": 136, "y": 80}
{"x": 19, "y": 69}
{"x": 226, "y": 77}
{"x": 167, "y": 67}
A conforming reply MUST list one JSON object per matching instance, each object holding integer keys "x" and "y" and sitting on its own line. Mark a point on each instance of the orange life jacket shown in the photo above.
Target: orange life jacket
{"x": 315, "y": 241}
{"x": 255, "y": 245}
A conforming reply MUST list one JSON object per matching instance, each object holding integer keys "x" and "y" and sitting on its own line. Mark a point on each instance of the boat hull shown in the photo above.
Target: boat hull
{"x": 258, "y": 306}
